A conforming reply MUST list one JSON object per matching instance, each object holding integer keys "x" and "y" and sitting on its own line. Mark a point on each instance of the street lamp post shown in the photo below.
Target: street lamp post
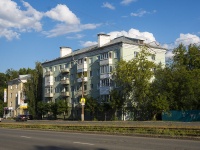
{"x": 82, "y": 99}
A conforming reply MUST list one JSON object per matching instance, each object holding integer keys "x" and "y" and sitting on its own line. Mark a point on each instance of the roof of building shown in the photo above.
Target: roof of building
{"x": 21, "y": 78}
{"x": 117, "y": 40}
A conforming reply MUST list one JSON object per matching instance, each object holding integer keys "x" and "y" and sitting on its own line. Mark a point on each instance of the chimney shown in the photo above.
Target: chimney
{"x": 103, "y": 39}
{"x": 65, "y": 51}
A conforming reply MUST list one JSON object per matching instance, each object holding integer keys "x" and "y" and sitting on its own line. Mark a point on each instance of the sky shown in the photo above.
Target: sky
{"x": 34, "y": 30}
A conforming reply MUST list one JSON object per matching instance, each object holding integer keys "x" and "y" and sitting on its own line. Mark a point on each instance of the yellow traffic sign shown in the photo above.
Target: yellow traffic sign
{"x": 82, "y": 100}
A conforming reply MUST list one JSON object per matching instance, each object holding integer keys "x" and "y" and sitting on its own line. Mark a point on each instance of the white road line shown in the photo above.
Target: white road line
{"x": 83, "y": 143}
{"x": 25, "y": 137}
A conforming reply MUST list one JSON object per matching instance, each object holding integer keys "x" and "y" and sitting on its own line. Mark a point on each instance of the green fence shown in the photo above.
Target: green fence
{"x": 184, "y": 116}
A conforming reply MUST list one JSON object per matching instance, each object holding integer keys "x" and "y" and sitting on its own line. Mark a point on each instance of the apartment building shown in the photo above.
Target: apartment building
{"x": 90, "y": 68}
{"x": 16, "y": 99}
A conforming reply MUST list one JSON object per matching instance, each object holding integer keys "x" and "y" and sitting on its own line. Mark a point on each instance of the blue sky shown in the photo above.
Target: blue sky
{"x": 33, "y": 30}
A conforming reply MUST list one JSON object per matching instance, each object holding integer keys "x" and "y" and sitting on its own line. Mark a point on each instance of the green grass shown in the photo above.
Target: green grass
{"x": 165, "y": 131}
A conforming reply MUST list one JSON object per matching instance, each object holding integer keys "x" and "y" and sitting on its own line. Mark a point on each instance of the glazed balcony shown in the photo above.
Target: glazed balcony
{"x": 64, "y": 81}
{"x": 48, "y": 73}
{"x": 85, "y": 79}
{"x": 82, "y": 67}
{"x": 65, "y": 94}
{"x": 64, "y": 70}
{"x": 105, "y": 61}
{"x": 48, "y": 94}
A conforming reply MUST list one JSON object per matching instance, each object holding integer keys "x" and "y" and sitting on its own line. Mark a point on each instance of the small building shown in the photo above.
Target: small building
{"x": 16, "y": 98}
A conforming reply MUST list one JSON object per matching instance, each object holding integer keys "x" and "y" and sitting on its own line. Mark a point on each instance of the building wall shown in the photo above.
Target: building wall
{"x": 98, "y": 84}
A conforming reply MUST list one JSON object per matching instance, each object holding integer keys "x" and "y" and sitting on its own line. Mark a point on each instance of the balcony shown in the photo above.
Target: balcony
{"x": 48, "y": 94}
{"x": 48, "y": 73}
{"x": 82, "y": 67}
{"x": 85, "y": 79}
{"x": 105, "y": 90}
{"x": 64, "y": 94}
{"x": 65, "y": 81}
{"x": 65, "y": 70}
{"x": 105, "y": 61}
{"x": 105, "y": 75}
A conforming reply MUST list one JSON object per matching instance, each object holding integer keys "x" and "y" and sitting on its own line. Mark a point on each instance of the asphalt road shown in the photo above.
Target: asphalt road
{"x": 17, "y": 139}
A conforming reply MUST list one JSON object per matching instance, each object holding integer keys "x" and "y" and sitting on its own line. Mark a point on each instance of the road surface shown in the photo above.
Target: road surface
{"x": 18, "y": 139}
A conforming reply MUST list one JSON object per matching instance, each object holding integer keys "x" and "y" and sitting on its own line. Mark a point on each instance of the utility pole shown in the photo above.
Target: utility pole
{"x": 82, "y": 99}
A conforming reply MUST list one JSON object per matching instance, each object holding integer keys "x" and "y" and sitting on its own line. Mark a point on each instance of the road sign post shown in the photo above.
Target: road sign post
{"x": 82, "y": 104}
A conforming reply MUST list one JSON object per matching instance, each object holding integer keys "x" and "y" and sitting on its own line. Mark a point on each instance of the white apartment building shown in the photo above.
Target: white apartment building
{"x": 63, "y": 76}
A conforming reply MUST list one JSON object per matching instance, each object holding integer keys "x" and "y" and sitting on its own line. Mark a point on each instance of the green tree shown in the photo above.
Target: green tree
{"x": 91, "y": 105}
{"x": 134, "y": 78}
{"x": 179, "y": 81}
{"x": 62, "y": 107}
{"x": 33, "y": 89}
{"x": 42, "y": 108}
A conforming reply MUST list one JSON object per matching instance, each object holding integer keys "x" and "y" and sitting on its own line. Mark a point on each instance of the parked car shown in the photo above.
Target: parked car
{"x": 21, "y": 118}
{"x": 29, "y": 117}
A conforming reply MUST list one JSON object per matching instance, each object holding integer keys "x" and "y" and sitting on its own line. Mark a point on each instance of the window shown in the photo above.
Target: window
{"x": 11, "y": 87}
{"x": 98, "y": 58}
{"x": 105, "y": 69}
{"x": 90, "y": 73}
{"x": 105, "y": 82}
{"x": 60, "y": 67}
{"x": 135, "y": 54}
{"x": 16, "y": 86}
{"x": 80, "y": 61}
{"x": 105, "y": 56}
{"x": 153, "y": 57}
{"x": 115, "y": 55}
{"x": 54, "y": 79}
{"x": 67, "y": 65}
{"x": 54, "y": 69}
{"x": 10, "y": 95}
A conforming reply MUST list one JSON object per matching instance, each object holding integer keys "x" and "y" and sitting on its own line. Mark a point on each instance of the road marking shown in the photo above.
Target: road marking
{"x": 25, "y": 137}
{"x": 83, "y": 143}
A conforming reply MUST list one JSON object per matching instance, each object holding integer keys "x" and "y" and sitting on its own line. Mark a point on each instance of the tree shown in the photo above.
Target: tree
{"x": 62, "y": 107}
{"x": 42, "y": 109}
{"x": 91, "y": 106}
{"x": 179, "y": 81}
{"x": 134, "y": 78}
{"x": 33, "y": 89}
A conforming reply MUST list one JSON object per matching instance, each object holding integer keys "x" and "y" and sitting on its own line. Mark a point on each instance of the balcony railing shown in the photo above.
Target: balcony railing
{"x": 65, "y": 70}
{"x": 85, "y": 79}
{"x": 48, "y": 94}
{"x": 106, "y": 61}
{"x": 105, "y": 90}
{"x": 64, "y": 94}
{"x": 64, "y": 81}
{"x": 48, "y": 73}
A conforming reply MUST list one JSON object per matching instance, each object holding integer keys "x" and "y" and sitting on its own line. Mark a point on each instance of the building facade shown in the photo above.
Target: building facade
{"x": 90, "y": 68}
{"x": 16, "y": 99}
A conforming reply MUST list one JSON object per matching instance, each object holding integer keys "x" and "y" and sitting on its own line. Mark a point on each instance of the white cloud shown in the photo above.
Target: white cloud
{"x": 127, "y": 2}
{"x": 88, "y": 43}
{"x": 108, "y": 5}
{"x": 16, "y": 20}
{"x": 62, "y": 29}
{"x": 134, "y": 33}
{"x": 70, "y": 23}
{"x": 63, "y": 14}
{"x": 142, "y": 12}
{"x": 185, "y": 39}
